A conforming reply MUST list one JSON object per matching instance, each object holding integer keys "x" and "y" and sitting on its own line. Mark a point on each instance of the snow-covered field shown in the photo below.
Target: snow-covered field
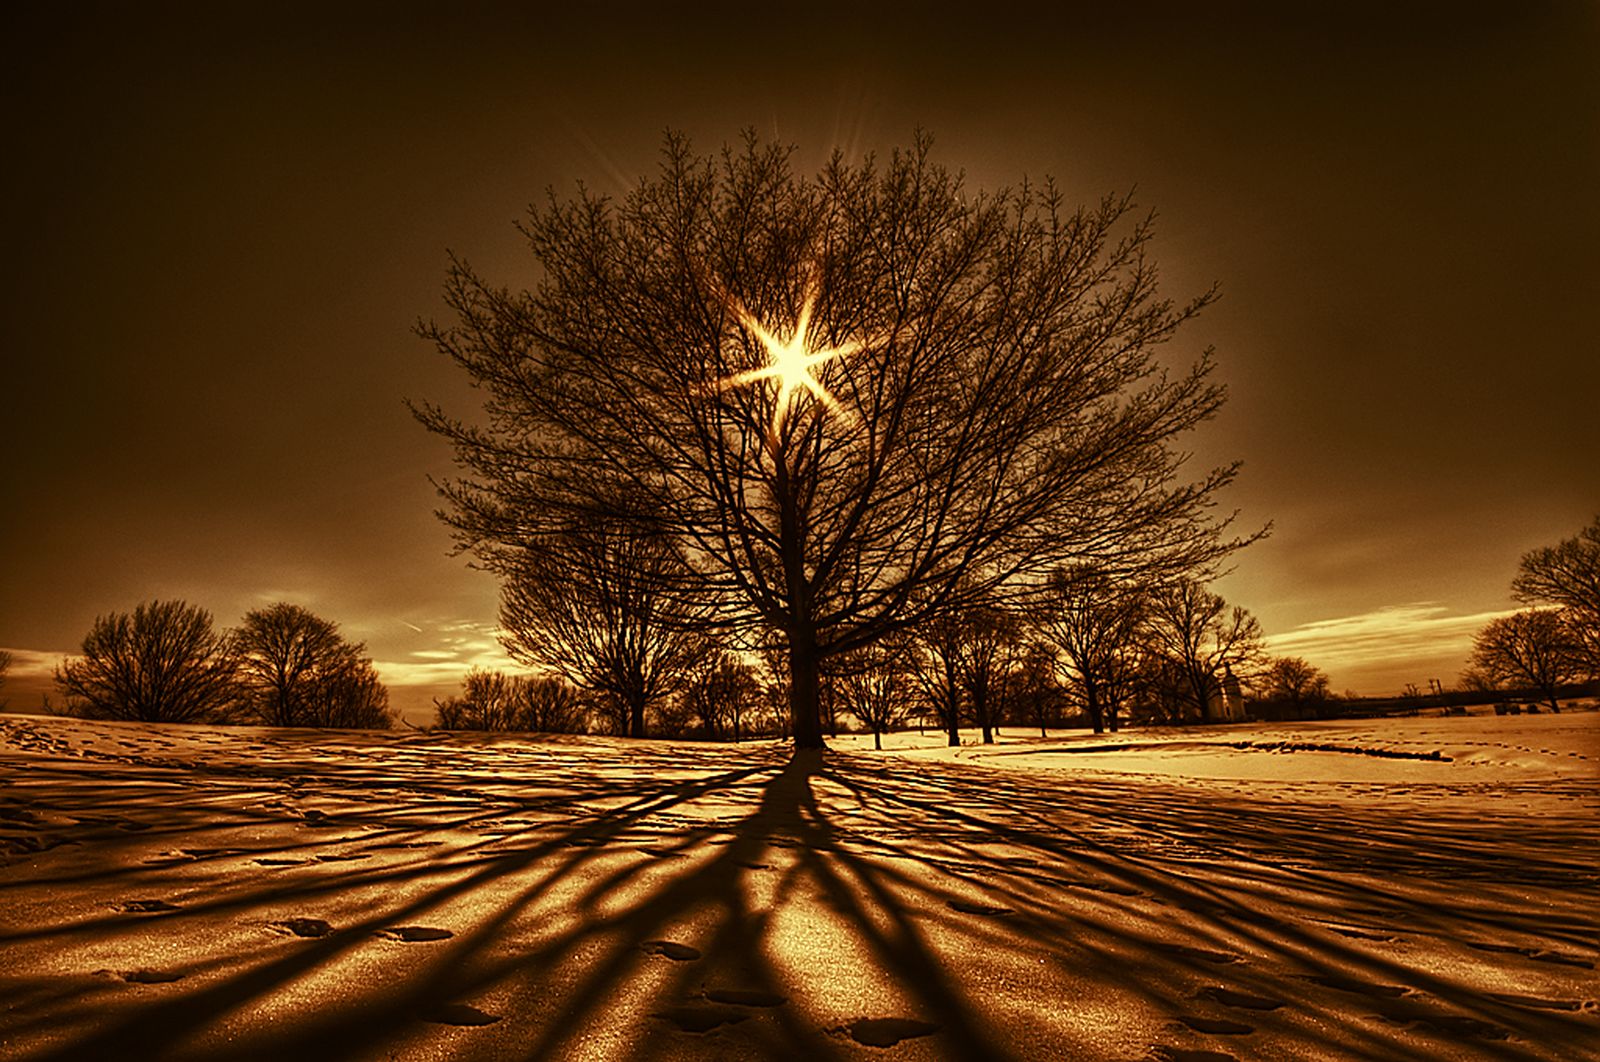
{"x": 1397, "y": 889}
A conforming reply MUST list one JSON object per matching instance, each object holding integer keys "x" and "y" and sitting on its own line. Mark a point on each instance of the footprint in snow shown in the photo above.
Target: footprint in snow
{"x": 1219, "y": 1026}
{"x": 1163, "y": 1053}
{"x": 144, "y": 906}
{"x": 670, "y": 949}
{"x": 885, "y": 1032}
{"x": 303, "y": 927}
{"x": 1218, "y": 958}
{"x": 701, "y": 1018}
{"x": 746, "y": 997}
{"x": 987, "y": 910}
{"x": 457, "y": 1014}
{"x": 413, "y": 934}
{"x": 1243, "y": 1000}
{"x": 1355, "y": 987}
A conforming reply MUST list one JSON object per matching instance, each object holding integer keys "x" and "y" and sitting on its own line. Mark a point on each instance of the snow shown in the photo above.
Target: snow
{"x": 1271, "y": 891}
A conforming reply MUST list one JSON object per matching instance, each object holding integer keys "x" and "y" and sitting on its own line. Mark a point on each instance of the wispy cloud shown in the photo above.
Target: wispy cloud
{"x": 457, "y": 647}
{"x": 1386, "y": 642}
{"x": 33, "y": 664}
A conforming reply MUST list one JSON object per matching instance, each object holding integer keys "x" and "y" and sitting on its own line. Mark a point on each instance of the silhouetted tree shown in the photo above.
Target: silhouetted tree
{"x": 599, "y": 602}
{"x": 297, "y": 670}
{"x": 989, "y": 646}
{"x": 722, "y": 693}
{"x": 1096, "y": 622}
{"x": 875, "y": 684}
{"x": 164, "y": 663}
{"x": 5, "y": 666}
{"x": 851, "y": 403}
{"x": 1035, "y": 692}
{"x": 1202, "y": 638}
{"x": 1533, "y": 649}
{"x": 934, "y": 665}
{"x": 493, "y": 700}
{"x": 1294, "y": 683}
{"x": 1568, "y": 575}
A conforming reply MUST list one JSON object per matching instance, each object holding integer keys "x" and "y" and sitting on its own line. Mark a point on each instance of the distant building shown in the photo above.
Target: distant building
{"x": 1227, "y": 699}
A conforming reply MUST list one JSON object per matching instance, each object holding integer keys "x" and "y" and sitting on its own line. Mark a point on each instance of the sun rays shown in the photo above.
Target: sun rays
{"x": 790, "y": 363}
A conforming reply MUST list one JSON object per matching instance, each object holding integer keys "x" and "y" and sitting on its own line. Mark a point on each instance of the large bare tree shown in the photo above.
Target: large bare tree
{"x": 163, "y": 663}
{"x": 851, "y": 402}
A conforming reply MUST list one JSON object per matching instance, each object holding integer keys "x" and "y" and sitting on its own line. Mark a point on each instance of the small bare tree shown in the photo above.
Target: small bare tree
{"x": 163, "y": 663}
{"x": 1531, "y": 649}
{"x": 297, "y": 670}
{"x": 1202, "y": 638}
{"x": 875, "y": 684}
{"x": 1567, "y": 575}
{"x": 722, "y": 693}
{"x": 1293, "y": 682}
{"x": 1096, "y": 622}
{"x": 600, "y": 603}
{"x": 5, "y": 666}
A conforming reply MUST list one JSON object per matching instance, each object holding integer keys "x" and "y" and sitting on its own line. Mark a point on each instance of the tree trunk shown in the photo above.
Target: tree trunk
{"x": 636, "y": 717}
{"x": 805, "y": 712}
{"x": 877, "y": 740}
{"x": 1092, "y": 702}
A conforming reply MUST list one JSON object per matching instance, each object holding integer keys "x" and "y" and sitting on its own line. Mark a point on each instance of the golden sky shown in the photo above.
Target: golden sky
{"x": 222, "y": 224}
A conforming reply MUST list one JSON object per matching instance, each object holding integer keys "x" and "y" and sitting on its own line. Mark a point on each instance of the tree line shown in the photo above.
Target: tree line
{"x": 165, "y": 662}
{"x": 1556, "y": 641}
{"x": 1095, "y": 652}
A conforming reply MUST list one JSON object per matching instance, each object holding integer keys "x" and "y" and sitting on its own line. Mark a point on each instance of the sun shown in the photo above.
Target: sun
{"x": 790, "y": 361}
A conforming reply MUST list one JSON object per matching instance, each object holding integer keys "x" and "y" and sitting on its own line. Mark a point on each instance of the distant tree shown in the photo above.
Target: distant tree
{"x": 1292, "y": 681}
{"x": 1567, "y": 575}
{"x": 546, "y": 704}
{"x": 5, "y": 666}
{"x": 599, "y": 603}
{"x": 875, "y": 684}
{"x": 722, "y": 693}
{"x": 493, "y": 700}
{"x": 1035, "y": 694}
{"x": 1203, "y": 639}
{"x": 850, "y": 402}
{"x": 297, "y": 670}
{"x": 934, "y": 664}
{"x": 164, "y": 663}
{"x": 1531, "y": 649}
{"x": 1096, "y": 623}
{"x": 990, "y": 644}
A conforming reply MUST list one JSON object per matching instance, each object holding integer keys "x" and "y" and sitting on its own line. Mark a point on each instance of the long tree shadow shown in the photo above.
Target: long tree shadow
{"x": 551, "y": 900}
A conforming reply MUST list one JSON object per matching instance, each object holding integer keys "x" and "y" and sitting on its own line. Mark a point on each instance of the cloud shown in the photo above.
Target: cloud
{"x": 1375, "y": 647}
{"x": 33, "y": 664}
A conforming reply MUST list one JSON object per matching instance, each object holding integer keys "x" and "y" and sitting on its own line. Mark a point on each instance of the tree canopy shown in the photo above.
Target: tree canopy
{"x": 848, "y": 403}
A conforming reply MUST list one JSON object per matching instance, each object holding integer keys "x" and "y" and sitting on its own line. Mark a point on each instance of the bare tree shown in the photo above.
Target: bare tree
{"x": 493, "y": 700}
{"x": 990, "y": 644}
{"x": 5, "y": 666}
{"x": 164, "y": 663}
{"x": 298, "y": 670}
{"x": 722, "y": 694}
{"x": 1530, "y": 649}
{"x": 934, "y": 665}
{"x": 599, "y": 603}
{"x": 1096, "y": 622}
{"x": 1203, "y": 639}
{"x": 851, "y": 402}
{"x": 875, "y": 683}
{"x": 1035, "y": 691}
{"x": 1568, "y": 575}
{"x": 1293, "y": 682}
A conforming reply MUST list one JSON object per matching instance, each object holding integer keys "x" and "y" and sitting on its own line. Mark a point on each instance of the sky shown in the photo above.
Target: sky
{"x": 224, "y": 222}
